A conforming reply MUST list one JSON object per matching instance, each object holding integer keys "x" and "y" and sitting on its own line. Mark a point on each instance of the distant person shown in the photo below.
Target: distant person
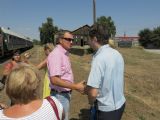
{"x": 46, "y": 89}
{"x": 16, "y": 60}
{"x": 105, "y": 85}
{"x": 60, "y": 71}
{"x": 47, "y": 49}
{"x": 22, "y": 87}
{"x": 43, "y": 64}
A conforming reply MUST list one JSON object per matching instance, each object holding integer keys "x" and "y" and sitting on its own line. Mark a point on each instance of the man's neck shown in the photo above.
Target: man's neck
{"x": 98, "y": 46}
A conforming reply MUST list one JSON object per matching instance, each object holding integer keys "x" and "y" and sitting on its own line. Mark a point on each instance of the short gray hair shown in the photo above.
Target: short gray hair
{"x": 60, "y": 35}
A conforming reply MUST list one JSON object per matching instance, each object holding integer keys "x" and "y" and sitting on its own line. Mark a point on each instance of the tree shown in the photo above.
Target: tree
{"x": 156, "y": 37}
{"x": 47, "y": 31}
{"x": 150, "y": 38}
{"x": 145, "y": 37}
{"x": 108, "y": 23}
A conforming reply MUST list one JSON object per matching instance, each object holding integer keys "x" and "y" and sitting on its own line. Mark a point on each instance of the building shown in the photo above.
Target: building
{"x": 81, "y": 35}
{"x": 127, "y": 41}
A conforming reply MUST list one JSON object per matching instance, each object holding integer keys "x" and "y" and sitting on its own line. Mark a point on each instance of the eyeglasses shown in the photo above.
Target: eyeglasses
{"x": 68, "y": 39}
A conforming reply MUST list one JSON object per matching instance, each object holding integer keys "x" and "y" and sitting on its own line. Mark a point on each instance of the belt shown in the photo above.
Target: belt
{"x": 53, "y": 90}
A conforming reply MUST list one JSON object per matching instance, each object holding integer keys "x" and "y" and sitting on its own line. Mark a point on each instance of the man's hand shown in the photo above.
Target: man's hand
{"x": 3, "y": 106}
{"x": 81, "y": 86}
{"x": 27, "y": 55}
{"x": 1, "y": 86}
{"x": 92, "y": 94}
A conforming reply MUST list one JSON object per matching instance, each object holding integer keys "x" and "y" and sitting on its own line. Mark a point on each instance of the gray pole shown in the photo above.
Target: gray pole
{"x": 94, "y": 11}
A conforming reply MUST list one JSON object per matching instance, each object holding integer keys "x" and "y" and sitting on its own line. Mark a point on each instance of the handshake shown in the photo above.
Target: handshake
{"x": 81, "y": 87}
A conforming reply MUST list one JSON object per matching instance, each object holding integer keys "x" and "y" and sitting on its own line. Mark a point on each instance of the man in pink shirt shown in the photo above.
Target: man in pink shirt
{"x": 60, "y": 71}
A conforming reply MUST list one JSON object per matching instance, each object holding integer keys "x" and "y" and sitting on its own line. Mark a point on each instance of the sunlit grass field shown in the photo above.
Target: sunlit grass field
{"x": 142, "y": 83}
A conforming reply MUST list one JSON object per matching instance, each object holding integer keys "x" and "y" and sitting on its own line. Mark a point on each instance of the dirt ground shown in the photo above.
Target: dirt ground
{"x": 141, "y": 89}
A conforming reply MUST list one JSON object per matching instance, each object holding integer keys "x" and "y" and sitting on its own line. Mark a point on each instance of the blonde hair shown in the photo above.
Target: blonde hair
{"x": 23, "y": 85}
{"x": 111, "y": 43}
{"x": 48, "y": 46}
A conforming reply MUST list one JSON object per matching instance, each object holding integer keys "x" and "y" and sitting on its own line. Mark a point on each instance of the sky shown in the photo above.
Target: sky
{"x": 129, "y": 16}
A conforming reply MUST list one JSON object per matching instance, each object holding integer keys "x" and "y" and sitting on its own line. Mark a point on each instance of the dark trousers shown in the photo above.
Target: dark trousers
{"x": 112, "y": 115}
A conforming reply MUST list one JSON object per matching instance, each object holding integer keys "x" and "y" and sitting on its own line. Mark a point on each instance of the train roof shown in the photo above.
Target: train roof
{"x": 7, "y": 31}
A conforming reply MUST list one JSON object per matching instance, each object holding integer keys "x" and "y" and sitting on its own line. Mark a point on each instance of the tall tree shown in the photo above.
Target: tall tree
{"x": 145, "y": 37}
{"x": 47, "y": 31}
{"x": 108, "y": 23}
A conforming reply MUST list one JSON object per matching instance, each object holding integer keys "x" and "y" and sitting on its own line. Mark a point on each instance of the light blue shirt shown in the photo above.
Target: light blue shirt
{"x": 107, "y": 74}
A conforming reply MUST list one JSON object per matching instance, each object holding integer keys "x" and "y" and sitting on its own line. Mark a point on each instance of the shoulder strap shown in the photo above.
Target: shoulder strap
{"x": 51, "y": 101}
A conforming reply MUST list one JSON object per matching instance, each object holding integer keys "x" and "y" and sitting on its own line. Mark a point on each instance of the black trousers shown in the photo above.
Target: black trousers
{"x": 112, "y": 115}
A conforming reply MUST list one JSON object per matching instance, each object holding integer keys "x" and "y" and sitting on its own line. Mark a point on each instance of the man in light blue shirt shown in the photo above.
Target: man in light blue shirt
{"x": 106, "y": 79}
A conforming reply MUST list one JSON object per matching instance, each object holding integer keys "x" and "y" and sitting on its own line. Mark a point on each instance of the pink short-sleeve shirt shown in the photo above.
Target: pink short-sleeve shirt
{"x": 58, "y": 63}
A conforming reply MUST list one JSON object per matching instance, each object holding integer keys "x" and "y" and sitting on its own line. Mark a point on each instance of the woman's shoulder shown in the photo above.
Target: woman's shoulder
{"x": 58, "y": 105}
{"x": 57, "y": 102}
{"x": 46, "y": 111}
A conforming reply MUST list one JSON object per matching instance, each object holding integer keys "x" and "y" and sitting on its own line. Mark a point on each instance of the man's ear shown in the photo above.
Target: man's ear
{"x": 60, "y": 41}
{"x": 95, "y": 39}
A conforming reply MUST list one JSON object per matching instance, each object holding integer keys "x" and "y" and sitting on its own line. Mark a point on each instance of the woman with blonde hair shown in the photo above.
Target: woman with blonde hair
{"x": 46, "y": 89}
{"x": 22, "y": 87}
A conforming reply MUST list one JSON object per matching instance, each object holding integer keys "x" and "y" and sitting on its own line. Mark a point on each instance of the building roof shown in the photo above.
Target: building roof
{"x": 8, "y": 31}
{"x": 80, "y": 28}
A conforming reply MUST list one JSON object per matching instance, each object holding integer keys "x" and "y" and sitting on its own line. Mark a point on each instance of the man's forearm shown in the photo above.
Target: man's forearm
{"x": 92, "y": 94}
{"x": 91, "y": 100}
{"x": 62, "y": 83}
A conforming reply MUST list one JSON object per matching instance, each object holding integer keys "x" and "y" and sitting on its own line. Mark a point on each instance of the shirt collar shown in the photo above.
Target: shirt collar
{"x": 100, "y": 49}
{"x": 63, "y": 50}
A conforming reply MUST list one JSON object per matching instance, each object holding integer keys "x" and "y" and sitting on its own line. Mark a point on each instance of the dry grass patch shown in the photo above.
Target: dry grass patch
{"x": 142, "y": 82}
{"x": 142, "y": 76}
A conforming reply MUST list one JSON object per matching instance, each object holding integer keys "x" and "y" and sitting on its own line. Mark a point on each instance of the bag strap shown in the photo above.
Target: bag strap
{"x": 51, "y": 101}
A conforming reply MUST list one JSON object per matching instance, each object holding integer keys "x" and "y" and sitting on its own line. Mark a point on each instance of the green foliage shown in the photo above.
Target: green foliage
{"x": 150, "y": 38}
{"x": 36, "y": 42}
{"x": 156, "y": 37}
{"x": 145, "y": 37}
{"x": 108, "y": 23}
{"x": 47, "y": 31}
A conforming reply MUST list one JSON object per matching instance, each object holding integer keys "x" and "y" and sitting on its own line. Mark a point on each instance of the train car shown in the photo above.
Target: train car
{"x": 11, "y": 41}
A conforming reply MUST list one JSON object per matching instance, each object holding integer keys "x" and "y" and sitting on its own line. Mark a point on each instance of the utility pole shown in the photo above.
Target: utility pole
{"x": 94, "y": 11}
